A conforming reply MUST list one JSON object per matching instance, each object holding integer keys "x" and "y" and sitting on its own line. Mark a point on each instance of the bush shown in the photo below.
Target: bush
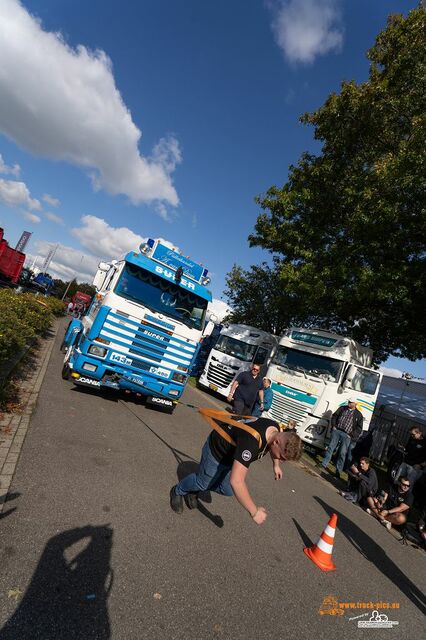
{"x": 23, "y": 317}
{"x": 57, "y": 307}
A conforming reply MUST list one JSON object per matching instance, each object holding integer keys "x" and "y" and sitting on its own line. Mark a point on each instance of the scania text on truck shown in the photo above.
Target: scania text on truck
{"x": 314, "y": 372}
{"x": 142, "y": 330}
{"x": 238, "y": 347}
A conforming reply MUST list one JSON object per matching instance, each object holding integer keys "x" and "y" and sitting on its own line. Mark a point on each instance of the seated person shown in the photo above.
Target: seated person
{"x": 414, "y": 465}
{"x": 394, "y": 505}
{"x": 362, "y": 482}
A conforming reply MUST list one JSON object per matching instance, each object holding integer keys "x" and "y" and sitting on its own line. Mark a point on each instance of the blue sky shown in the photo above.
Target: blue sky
{"x": 164, "y": 118}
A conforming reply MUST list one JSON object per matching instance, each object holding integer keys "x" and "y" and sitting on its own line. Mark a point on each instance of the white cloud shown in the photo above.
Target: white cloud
{"x": 76, "y": 113}
{"x": 15, "y": 194}
{"x": 305, "y": 29}
{"x": 4, "y": 168}
{"x": 219, "y": 308}
{"x": 53, "y": 202}
{"x": 393, "y": 373}
{"x": 54, "y": 218}
{"x": 107, "y": 242}
{"x": 67, "y": 263}
{"x": 31, "y": 217}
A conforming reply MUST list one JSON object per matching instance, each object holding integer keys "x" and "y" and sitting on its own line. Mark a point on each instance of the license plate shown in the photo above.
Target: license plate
{"x": 135, "y": 380}
{"x": 214, "y": 387}
{"x": 111, "y": 384}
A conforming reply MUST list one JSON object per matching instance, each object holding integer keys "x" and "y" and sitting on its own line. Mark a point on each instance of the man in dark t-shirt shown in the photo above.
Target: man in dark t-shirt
{"x": 414, "y": 465}
{"x": 394, "y": 506}
{"x": 245, "y": 389}
{"x": 226, "y": 457}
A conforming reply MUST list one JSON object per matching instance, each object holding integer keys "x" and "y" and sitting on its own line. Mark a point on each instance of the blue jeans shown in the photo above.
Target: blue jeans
{"x": 349, "y": 455}
{"x": 211, "y": 475}
{"x": 340, "y": 440}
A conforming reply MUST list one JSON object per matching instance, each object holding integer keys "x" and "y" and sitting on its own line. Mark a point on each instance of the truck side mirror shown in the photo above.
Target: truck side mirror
{"x": 347, "y": 384}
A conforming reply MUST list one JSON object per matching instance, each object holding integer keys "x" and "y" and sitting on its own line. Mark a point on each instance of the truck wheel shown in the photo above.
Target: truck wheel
{"x": 63, "y": 346}
{"x": 66, "y": 371}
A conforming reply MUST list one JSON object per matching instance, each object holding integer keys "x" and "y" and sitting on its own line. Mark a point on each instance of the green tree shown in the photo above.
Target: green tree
{"x": 347, "y": 231}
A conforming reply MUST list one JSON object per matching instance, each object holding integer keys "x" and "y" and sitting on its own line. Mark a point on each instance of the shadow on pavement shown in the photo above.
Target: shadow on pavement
{"x": 307, "y": 542}
{"x": 7, "y": 497}
{"x": 4, "y": 514}
{"x": 374, "y": 553}
{"x": 67, "y": 596}
{"x": 184, "y": 468}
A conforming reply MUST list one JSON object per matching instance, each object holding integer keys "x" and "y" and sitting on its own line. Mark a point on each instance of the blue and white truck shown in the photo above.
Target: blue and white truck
{"x": 142, "y": 331}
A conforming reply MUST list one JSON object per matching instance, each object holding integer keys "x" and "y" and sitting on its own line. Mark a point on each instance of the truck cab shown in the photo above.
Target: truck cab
{"x": 142, "y": 330}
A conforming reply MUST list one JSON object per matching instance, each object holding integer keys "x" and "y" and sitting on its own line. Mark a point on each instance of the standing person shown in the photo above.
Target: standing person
{"x": 291, "y": 425}
{"x": 226, "y": 457}
{"x": 267, "y": 398}
{"x": 362, "y": 482}
{"x": 70, "y": 307}
{"x": 346, "y": 425}
{"x": 244, "y": 390}
{"x": 393, "y": 507}
{"x": 414, "y": 465}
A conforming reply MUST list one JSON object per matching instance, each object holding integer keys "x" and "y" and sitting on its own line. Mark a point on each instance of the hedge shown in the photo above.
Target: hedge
{"x": 23, "y": 317}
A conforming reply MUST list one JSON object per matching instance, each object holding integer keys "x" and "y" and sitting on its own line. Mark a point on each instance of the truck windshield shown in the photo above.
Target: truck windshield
{"x": 161, "y": 295}
{"x": 235, "y": 348}
{"x": 309, "y": 363}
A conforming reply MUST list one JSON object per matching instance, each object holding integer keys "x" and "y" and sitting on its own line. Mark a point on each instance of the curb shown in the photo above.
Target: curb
{"x": 13, "y": 428}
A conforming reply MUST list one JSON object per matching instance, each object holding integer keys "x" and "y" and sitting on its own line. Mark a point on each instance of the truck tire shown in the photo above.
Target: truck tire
{"x": 66, "y": 371}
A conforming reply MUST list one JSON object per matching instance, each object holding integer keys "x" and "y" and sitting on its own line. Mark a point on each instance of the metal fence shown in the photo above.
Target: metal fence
{"x": 388, "y": 431}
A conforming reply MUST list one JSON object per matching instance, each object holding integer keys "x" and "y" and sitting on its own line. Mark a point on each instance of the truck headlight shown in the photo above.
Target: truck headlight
{"x": 179, "y": 377}
{"x": 97, "y": 351}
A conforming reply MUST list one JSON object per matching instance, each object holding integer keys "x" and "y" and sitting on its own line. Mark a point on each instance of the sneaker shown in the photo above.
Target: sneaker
{"x": 191, "y": 500}
{"x": 368, "y": 510}
{"x": 337, "y": 474}
{"x": 386, "y": 524}
{"x": 176, "y": 502}
{"x": 351, "y": 497}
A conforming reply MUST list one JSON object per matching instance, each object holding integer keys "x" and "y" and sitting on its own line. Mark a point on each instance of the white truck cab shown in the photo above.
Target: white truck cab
{"x": 238, "y": 347}
{"x": 313, "y": 373}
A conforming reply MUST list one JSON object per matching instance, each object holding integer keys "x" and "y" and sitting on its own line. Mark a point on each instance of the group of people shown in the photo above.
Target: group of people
{"x": 77, "y": 310}
{"x": 238, "y": 440}
{"x": 389, "y": 506}
{"x": 235, "y": 443}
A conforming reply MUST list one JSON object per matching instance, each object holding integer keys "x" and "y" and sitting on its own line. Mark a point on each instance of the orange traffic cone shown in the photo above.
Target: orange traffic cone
{"x": 321, "y": 552}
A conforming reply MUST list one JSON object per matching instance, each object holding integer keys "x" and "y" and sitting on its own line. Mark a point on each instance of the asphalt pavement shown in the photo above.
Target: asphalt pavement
{"x": 93, "y": 550}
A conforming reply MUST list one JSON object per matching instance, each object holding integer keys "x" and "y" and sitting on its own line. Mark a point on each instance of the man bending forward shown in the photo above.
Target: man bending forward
{"x": 224, "y": 466}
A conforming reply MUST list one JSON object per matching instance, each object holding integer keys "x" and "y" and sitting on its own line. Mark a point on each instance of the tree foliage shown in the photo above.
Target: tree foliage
{"x": 347, "y": 231}
{"x": 61, "y": 286}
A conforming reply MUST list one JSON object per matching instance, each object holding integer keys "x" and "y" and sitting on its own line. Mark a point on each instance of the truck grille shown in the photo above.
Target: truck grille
{"x": 218, "y": 376}
{"x": 284, "y": 408}
{"x": 145, "y": 344}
